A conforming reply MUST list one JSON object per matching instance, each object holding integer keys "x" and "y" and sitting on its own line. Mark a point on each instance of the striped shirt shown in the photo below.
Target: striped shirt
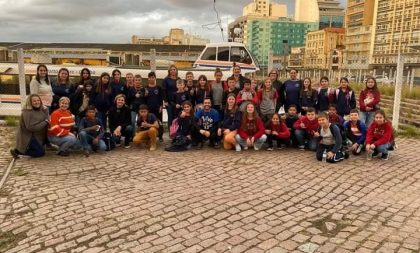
{"x": 61, "y": 123}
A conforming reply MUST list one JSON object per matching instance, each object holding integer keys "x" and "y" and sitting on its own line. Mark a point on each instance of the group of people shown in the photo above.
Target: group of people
{"x": 236, "y": 113}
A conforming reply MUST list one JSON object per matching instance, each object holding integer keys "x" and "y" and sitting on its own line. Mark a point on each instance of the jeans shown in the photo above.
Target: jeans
{"x": 339, "y": 156}
{"x": 302, "y": 135}
{"x": 383, "y": 148}
{"x": 367, "y": 117}
{"x": 127, "y": 132}
{"x": 257, "y": 143}
{"x": 66, "y": 143}
{"x": 87, "y": 142}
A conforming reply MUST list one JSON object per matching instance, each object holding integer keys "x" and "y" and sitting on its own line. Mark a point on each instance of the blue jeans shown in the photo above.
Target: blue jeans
{"x": 87, "y": 142}
{"x": 383, "y": 148}
{"x": 302, "y": 135}
{"x": 66, "y": 143}
{"x": 257, "y": 143}
{"x": 367, "y": 117}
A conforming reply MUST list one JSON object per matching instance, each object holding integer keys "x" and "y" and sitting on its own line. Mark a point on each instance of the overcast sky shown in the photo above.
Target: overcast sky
{"x": 112, "y": 21}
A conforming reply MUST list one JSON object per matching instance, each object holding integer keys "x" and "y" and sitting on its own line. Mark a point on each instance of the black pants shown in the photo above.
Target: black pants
{"x": 271, "y": 138}
{"x": 353, "y": 138}
{"x": 339, "y": 156}
{"x": 197, "y": 137}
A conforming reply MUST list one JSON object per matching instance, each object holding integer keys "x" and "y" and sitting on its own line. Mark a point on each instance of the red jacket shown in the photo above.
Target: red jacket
{"x": 257, "y": 131}
{"x": 379, "y": 134}
{"x": 239, "y": 99}
{"x": 281, "y": 129}
{"x": 311, "y": 126}
{"x": 375, "y": 99}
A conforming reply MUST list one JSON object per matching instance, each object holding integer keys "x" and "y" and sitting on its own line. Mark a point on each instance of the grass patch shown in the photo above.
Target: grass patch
{"x": 409, "y": 132}
{"x": 8, "y": 240}
{"x": 11, "y": 120}
{"x": 20, "y": 172}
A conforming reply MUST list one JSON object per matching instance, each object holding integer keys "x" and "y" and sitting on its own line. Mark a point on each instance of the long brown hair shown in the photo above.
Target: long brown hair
{"x": 169, "y": 71}
{"x": 38, "y": 78}
{"x": 99, "y": 88}
{"x": 67, "y": 79}
{"x": 206, "y": 86}
{"x": 302, "y": 88}
{"x": 235, "y": 105}
{"x": 375, "y": 86}
{"x": 244, "y": 119}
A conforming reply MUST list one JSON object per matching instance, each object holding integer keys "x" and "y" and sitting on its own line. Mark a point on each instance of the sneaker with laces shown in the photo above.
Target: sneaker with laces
{"x": 238, "y": 147}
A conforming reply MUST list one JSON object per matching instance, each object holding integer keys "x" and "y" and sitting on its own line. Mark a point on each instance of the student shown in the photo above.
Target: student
{"x": 251, "y": 133}
{"x": 217, "y": 91}
{"x": 61, "y": 87}
{"x": 277, "y": 130}
{"x": 290, "y": 118}
{"x": 85, "y": 75}
{"x": 379, "y": 136}
{"x": 180, "y": 96}
{"x": 32, "y": 131}
{"x": 308, "y": 96}
{"x": 355, "y": 132}
{"x": 169, "y": 88}
{"x": 147, "y": 125}
{"x": 267, "y": 98}
{"x": 278, "y": 86}
{"x": 117, "y": 84}
{"x": 190, "y": 86}
{"x": 90, "y": 132}
{"x": 81, "y": 99}
{"x": 186, "y": 127}
{"x": 154, "y": 100}
{"x": 41, "y": 86}
{"x": 334, "y": 117}
{"x": 255, "y": 86}
{"x": 369, "y": 101}
{"x": 61, "y": 132}
{"x": 103, "y": 98}
{"x": 305, "y": 129}
{"x": 344, "y": 98}
{"x": 208, "y": 120}
{"x": 135, "y": 98}
{"x": 330, "y": 144}
{"x": 120, "y": 121}
{"x": 291, "y": 90}
{"x": 231, "y": 89}
{"x": 240, "y": 80}
{"x": 129, "y": 79}
{"x": 202, "y": 91}
{"x": 325, "y": 95}
{"x": 231, "y": 122}
{"x": 246, "y": 96}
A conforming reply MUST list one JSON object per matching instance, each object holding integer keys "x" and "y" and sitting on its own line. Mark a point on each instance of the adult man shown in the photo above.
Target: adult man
{"x": 208, "y": 120}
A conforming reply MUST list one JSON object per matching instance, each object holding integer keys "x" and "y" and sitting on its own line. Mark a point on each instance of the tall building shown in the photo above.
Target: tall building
{"x": 331, "y": 14}
{"x": 265, "y": 8}
{"x": 396, "y": 28}
{"x": 359, "y": 20}
{"x": 306, "y": 11}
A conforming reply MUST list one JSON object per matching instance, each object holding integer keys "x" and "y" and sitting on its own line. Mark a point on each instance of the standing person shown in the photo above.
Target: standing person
{"x": 85, "y": 75}
{"x": 129, "y": 80}
{"x": 81, "y": 99}
{"x": 231, "y": 122}
{"x": 41, "y": 86}
{"x": 379, "y": 136}
{"x": 190, "y": 86}
{"x": 32, "y": 131}
{"x": 217, "y": 91}
{"x": 344, "y": 98}
{"x": 239, "y": 78}
{"x": 230, "y": 89}
{"x": 251, "y": 133}
{"x": 325, "y": 95}
{"x": 355, "y": 132}
{"x": 202, "y": 91}
{"x": 180, "y": 96}
{"x": 308, "y": 96}
{"x": 186, "y": 127}
{"x": 305, "y": 129}
{"x": 135, "y": 97}
{"x": 246, "y": 96}
{"x": 91, "y": 131}
{"x": 169, "y": 88}
{"x": 120, "y": 121}
{"x": 61, "y": 132}
{"x": 117, "y": 84}
{"x": 274, "y": 76}
{"x": 267, "y": 97}
{"x": 330, "y": 144}
{"x": 277, "y": 130}
{"x": 147, "y": 125}
{"x": 208, "y": 120}
{"x": 103, "y": 98}
{"x": 61, "y": 87}
{"x": 369, "y": 101}
{"x": 291, "y": 90}
{"x": 154, "y": 100}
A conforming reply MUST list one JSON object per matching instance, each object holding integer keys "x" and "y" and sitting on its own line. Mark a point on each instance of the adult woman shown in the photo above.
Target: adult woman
{"x": 103, "y": 97}
{"x": 61, "y": 87}
{"x": 32, "y": 130}
{"x": 231, "y": 122}
{"x": 291, "y": 90}
{"x": 251, "y": 133}
{"x": 61, "y": 126}
{"x": 169, "y": 88}
{"x": 120, "y": 121}
{"x": 277, "y": 85}
{"x": 85, "y": 76}
{"x": 239, "y": 78}
{"x": 41, "y": 85}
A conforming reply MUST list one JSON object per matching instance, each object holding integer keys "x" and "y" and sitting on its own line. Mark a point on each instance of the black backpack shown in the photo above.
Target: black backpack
{"x": 109, "y": 141}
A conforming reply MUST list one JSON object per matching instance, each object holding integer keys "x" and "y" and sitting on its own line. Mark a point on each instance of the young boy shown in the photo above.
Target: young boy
{"x": 154, "y": 100}
{"x": 90, "y": 132}
{"x": 135, "y": 98}
{"x": 355, "y": 131}
{"x": 305, "y": 129}
{"x": 190, "y": 86}
{"x": 147, "y": 125}
{"x": 290, "y": 118}
{"x": 231, "y": 88}
{"x": 180, "y": 96}
{"x": 334, "y": 117}
{"x": 331, "y": 143}
{"x": 246, "y": 96}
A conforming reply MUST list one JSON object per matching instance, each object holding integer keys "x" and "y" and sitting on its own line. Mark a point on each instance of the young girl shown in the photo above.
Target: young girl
{"x": 61, "y": 87}
{"x": 231, "y": 122}
{"x": 277, "y": 130}
{"x": 379, "y": 136}
{"x": 180, "y": 96}
{"x": 368, "y": 101}
{"x": 344, "y": 98}
{"x": 246, "y": 96}
{"x": 268, "y": 99}
{"x": 182, "y": 140}
{"x": 117, "y": 84}
{"x": 202, "y": 91}
{"x": 85, "y": 76}
{"x": 251, "y": 132}
{"x": 325, "y": 95}
{"x": 308, "y": 96}
{"x": 103, "y": 97}
{"x": 217, "y": 91}
{"x": 41, "y": 86}
{"x": 81, "y": 99}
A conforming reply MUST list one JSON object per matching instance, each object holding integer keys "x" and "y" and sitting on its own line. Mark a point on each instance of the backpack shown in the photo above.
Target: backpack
{"x": 109, "y": 141}
{"x": 174, "y": 128}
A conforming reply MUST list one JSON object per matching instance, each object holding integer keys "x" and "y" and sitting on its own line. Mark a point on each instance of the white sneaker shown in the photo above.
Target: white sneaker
{"x": 238, "y": 147}
{"x": 245, "y": 147}
{"x": 255, "y": 148}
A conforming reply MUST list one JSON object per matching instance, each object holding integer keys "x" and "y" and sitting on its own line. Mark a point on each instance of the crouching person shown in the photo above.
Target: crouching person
{"x": 251, "y": 133}
{"x": 380, "y": 137}
{"x": 147, "y": 125}
{"x": 90, "y": 132}
{"x": 331, "y": 143}
{"x": 355, "y": 132}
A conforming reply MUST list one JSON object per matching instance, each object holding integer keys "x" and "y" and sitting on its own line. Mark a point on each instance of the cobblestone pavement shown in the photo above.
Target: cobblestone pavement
{"x": 213, "y": 201}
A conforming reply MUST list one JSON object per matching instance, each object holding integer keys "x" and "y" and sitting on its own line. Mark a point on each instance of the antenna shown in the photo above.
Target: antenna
{"x": 212, "y": 26}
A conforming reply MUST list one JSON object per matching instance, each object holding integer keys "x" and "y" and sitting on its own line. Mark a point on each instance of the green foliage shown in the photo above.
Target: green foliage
{"x": 410, "y": 132}
{"x": 11, "y": 120}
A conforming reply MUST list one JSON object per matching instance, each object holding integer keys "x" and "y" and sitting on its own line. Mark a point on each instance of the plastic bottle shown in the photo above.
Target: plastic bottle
{"x": 324, "y": 156}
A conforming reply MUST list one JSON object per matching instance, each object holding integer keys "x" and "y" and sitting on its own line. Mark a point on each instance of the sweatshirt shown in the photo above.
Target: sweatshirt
{"x": 87, "y": 123}
{"x": 281, "y": 129}
{"x": 369, "y": 98}
{"x": 335, "y": 132}
{"x": 119, "y": 117}
{"x": 61, "y": 123}
{"x": 349, "y": 127}
{"x": 232, "y": 121}
{"x": 325, "y": 98}
{"x": 253, "y": 128}
{"x": 43, "y": 89}
{"x": 311, "y": 125}
{"x": 292, "y": 92}
{"x": 379, "y": 134}
{"x": 345, "y": 101}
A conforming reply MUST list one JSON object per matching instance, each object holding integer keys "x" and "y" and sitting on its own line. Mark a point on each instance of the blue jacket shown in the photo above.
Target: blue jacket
{"x": 232, "y": 121}
{"x": 345, "y": 101}
{"x": 362, "y": 128}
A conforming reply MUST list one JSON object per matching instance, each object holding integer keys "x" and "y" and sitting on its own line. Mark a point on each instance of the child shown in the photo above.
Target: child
{"x": 331, "y": 143}
{"x": 308, "y": 96}
{"x": 231, "y": 122}
{"x": 103, "y": 98}
{"x": 355, "y": 131}
{"x": 190, "y": 86}
{"x": 90, "y": 132}
{"x": 231, "y": 88}
{"x": 154, "y": 100}
{"x": 147, "y": 125}
{"x": 344, "y": 98}
{"x": 246, "y": 96}
{"x": 368, "y": 101}
{"x": 180, "y": 96}
{"x": 334, "y": 117}
{"x": 325, "y": 95}
{"x": 306, "y": 127}
{"x": 117, "y": 85}
{"x": 135, "y": 98}
{"x": 251, "y": 133}
{"x": 182, "y": 140}
{"x": 379, "y": 136}
{"x": 277, "y": 130}
{"x": 202, "y": 91}
{"x": 290, "y": 118}
{"x": 81, "y": 99}
{"x": 254, "y": 85}
{"x": 217, "y": 91}
{"x": 268, "y": 99}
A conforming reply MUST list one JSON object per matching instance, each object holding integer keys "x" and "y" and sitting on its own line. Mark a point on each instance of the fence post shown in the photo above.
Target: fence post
{"x": 398, "y": 88}
{"x": 153, "y": 60}
{"x": 413, "y": 74}
{"x": 22, "y": 81}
